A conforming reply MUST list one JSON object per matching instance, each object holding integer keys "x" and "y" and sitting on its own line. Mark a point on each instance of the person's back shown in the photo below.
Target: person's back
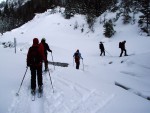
{"x": 77, "y": 56}
{"x": 34, "y": 61}
{"x": 101, "y": 47}
{"x": 34, "y": 56}
{"x": 46, "y": 48}
{"x": 122, "y": 47}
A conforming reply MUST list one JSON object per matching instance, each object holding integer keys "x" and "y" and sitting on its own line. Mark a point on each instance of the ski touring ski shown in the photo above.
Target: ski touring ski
{"x": 33, "y": 95}
{"x": 110, "y": 62}
{"x": 39, "y": 94}
{"x": 122, "y": 61}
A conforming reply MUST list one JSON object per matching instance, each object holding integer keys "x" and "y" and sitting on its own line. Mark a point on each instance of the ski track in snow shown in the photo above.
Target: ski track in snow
{"x": 79, "y": 100}
{"x": 24, "y": 104}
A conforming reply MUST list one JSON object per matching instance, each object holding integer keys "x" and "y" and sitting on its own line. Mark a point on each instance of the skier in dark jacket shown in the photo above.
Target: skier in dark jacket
{"x": 122, "y": 47}
{"x": 77, "y": 56}
{"x": 46, "y": 48}
{"x": 101, "y": 47}
{"x": 35, "y": 56}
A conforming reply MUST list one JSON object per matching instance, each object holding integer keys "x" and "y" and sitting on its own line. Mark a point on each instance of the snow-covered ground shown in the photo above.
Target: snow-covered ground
{"x": 98, "y": 87}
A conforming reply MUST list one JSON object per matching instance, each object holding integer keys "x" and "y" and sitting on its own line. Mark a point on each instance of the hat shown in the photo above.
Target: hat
{"x": 43, "y": 39}
{"x": 35, "y": 41}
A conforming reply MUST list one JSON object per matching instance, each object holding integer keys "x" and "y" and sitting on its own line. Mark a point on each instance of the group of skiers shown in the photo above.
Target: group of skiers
{"x": 37, "y": 53}
{"x": 121, "y": 46}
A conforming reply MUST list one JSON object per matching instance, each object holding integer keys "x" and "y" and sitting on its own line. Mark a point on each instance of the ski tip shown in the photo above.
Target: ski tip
{"x": 121, "y": 61}
{"x": 33, "y": 98}
{"x": 110, "y": 62}
{"x": 17, "y": 94}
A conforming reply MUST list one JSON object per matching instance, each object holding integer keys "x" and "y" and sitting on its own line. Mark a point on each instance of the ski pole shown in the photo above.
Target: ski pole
{"x": 109, "y": 53}
{"x": 73, "y": 61}
{"x": 83, "y": 64}
{"x": 50, "y": 80}
{"x": 53, "y": 60}
{"x": 17, "y": 94}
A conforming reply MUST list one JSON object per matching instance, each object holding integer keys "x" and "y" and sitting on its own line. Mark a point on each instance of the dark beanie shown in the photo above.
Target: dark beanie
{"x": 35, "y": 41}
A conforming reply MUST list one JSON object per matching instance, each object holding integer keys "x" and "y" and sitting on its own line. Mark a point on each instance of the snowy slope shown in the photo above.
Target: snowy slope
{"x": 92, "y": 89}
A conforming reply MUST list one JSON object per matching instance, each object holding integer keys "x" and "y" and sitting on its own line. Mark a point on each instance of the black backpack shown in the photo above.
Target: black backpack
{"x": 120, "y": 44}
{"x": 77, "y": 58}
{"x": 35, "y": 57}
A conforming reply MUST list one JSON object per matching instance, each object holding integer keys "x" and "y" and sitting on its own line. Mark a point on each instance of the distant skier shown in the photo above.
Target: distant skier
{"x": 35, "y": 56}
{"x": 101, "y": 47}
{"x": 77, "y": 56}
{"x": 122, "y": 47}
{"x": 46, "y": 48}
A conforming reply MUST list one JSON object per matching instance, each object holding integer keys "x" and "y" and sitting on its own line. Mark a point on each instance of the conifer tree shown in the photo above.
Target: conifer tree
{"x": 108, "y": 29}
{"x": 126, "y": 10}
{"x": 144, "y": 21}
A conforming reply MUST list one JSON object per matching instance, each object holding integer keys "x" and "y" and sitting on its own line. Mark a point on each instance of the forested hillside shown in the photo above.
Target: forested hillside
{"x": 15, "y": 13}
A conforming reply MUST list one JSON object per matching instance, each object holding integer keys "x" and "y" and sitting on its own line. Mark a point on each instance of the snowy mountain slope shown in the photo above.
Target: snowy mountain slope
{"x": 92, "y": 90}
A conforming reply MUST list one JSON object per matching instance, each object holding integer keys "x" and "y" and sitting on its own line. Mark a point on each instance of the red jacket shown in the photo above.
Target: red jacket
{"x": 40, "y": 56}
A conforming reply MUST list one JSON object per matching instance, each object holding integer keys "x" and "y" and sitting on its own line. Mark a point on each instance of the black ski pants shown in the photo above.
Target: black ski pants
{"x": 77, "y": 65}
{"x": 36, "y": 71}
{"x": 125, "y": 52}
{"x": 102, "y": 52}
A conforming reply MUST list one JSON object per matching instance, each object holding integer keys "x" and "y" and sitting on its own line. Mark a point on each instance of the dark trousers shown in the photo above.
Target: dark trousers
{"x": 125, "y": 52}
{"x": 77, "y": 65}
{"x": 46, "y": 65}
{"x": 36, "y": 71}
{"x": 102, "y": 52}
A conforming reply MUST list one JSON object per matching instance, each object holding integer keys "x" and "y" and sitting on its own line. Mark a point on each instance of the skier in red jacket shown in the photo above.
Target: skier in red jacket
{"x": 35, "y": 57}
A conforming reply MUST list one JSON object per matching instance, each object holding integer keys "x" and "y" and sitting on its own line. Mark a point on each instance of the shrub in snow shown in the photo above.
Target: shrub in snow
{"x": 8, "y": 44}
{"x": 108, "y": 29}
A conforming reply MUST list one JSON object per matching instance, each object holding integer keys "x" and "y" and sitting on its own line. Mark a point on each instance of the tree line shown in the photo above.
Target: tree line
{"x": 15, "y": 15}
